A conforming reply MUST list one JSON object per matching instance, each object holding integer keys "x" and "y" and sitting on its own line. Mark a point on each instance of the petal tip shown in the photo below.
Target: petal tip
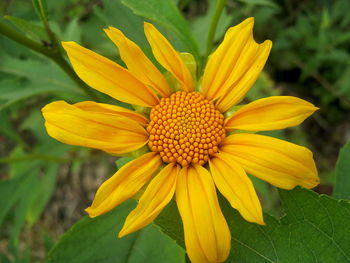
{"x": 261, "y": 222}
{"x": 88, "y": 210}
{"x": 68, "y": 43}
{"x": 268, "y": 44}
{"x": 250, "y": 20}
{"x": 122, "y": 233}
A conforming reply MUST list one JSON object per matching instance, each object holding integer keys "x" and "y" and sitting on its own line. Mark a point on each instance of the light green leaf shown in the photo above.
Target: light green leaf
{"x": 342, "y": 173}
{"x": 95, "y": 240}
{"x": 315, "y": 228}
{"x": 73, "y": 31}
{"x": 32, "y": 30}
{"x": 166, "y": 14}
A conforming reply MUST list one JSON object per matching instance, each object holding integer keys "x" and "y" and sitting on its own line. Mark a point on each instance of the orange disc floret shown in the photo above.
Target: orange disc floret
{"x": 185, "y": 128}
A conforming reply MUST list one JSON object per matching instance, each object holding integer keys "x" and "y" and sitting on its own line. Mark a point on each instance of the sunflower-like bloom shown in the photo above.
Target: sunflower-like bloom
{"x": 192, "y": 149}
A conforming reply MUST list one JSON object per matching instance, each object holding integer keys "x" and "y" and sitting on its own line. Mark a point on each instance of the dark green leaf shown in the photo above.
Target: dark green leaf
{"x": 170, "y": 223}
{"x": 12, "y": 189}
{"x": 316, "y": 228}
{"x": 95, "y": 240}
{"x": 342, "y": 172}
{"x": 166, "y": 14}
{"x": 116, "y": 14}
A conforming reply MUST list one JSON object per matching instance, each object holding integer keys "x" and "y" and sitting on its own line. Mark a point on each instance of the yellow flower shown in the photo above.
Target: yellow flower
{"x": 192, "y": 148}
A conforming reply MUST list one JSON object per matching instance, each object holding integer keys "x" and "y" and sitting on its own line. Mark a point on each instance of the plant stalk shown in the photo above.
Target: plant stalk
{"x": 220, "y": 4}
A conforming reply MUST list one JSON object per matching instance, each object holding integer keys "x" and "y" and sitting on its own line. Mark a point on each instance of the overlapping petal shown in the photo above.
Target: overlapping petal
{"x": 97, "y": 128}
{"x": 168, "y": 57}
{"x": 272, "y": 113}
{"x": 235, "y": 65}
{"x": 138, "y": 63}
{"x": 124, "y": 184}
{"x": 235, "y": 185}
{"x": 278, "y": 162}
{"x": 111, "y": 110}
{"x": 108, "y": 77}
{"x": 157, "y": 195}
{"x": 207, "y": 235}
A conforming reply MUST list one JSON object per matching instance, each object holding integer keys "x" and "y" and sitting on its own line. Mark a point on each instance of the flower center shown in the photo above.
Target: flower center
{"x": 185, "y": 128}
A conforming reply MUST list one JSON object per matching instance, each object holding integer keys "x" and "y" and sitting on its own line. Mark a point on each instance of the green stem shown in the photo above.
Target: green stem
{"x": 220, "y": 4}
{"x": 52, "y": 54}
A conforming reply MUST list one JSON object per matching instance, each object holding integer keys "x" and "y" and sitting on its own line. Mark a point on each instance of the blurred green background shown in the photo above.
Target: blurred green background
{"x": 46, "y": 185}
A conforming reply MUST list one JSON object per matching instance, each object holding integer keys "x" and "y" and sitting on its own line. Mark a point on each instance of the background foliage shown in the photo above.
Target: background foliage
{"x": 45, "y": 185}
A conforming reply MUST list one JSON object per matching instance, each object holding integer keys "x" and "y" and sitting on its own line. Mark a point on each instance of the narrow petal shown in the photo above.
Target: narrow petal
{"x": 251, "y": 65}
{"x": 113, "y": 110}
{"x": 207, "y": 235}
{"x": 278, "y": 162}
{"x": 235, "y": 65}
{"x": 235, "y": 185}
{"x": 222, "y": 61}
{"x": 124, "y": 184}
{"x": 168, "y": 57}
{"x": 272, "y": 113}
{"x": 98, "y": 129}
{"x": 108, "y": 77}
{"x": 157, "y": 195}
{"x": 138, "y": 63}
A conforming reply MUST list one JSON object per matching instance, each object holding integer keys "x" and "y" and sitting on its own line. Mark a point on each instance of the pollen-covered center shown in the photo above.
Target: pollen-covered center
{"x": 185, "y": 128}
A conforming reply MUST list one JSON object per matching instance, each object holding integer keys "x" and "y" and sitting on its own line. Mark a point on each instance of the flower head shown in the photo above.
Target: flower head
{"x": 192, "y": 148}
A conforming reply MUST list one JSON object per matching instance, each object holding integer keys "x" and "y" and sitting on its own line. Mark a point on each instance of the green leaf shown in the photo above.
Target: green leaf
{"x": 40, "y": 7}
{"x": 268, "y": 3}
{"x": 342, "y": 173}
{"x": 118, "y": 15}
{"x": 170, "y": 223}
{"x": 32, "y": 77}
{"x": 315, "y": 228}
{"x": 95, "y": 240}
{"x": 166, "y": 14}
{"x": 11, "y": 188}
{"x": 200, "y": 26}
{"x": 33, "y": 31}
{"x": 27, "y": 190}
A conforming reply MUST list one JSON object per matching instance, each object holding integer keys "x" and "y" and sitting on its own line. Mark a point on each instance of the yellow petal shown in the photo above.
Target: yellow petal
{"x": 272, "y": 113}
{"x": 222, "y": 61}
{"x": 99, "y": 129}
{"x": 168, "y": 57}
{"x": 138, "y": 63}
{"x": 112, "y": 110}
{"x": 157, "y": 195}
{"x": 278, "y": 162}
{"x": 207, "y": 235}
{"x": 235, "y": 185}
{"x": 233, "y": 68}
{"x": 108, "y": 77}
{"x": 124, "y": 184}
